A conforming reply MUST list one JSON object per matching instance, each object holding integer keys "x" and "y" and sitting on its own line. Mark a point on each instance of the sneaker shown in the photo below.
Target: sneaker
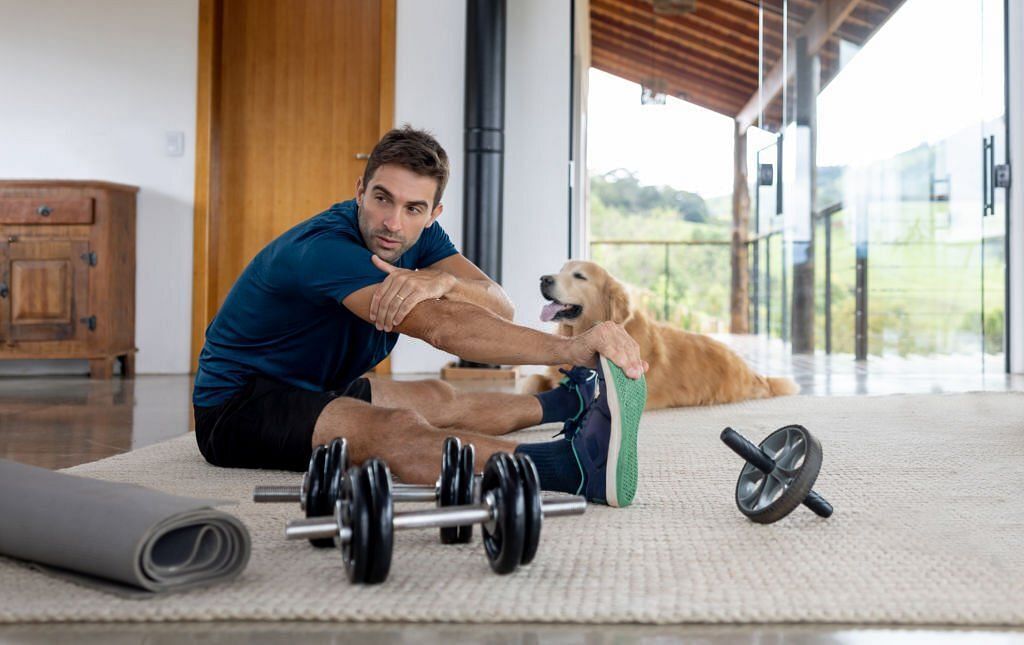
{"x": 606, "y": 443}
{"x": 582, "y": 383}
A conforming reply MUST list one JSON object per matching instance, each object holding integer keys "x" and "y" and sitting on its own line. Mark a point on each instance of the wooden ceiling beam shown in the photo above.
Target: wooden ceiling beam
{"x": 717, "y": 44}
{"x": 695, "y": 87}
{"x": 731, "y": 29}
{"x": 625, "y": 68}
{"x": 657, "y": 60}
{"x": 827, "y": 18}
{"x": 689, "y": 52}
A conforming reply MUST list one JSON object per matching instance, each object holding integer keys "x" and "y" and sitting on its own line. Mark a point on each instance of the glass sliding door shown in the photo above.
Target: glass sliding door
{"x": 995, "y": 177}
{"x": 903, "y": 237}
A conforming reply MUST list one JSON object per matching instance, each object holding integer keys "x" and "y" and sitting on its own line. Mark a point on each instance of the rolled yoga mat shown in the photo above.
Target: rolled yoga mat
{"x": 117, "y": 537}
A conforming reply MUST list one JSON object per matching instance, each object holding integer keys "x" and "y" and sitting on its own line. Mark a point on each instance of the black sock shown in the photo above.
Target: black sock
{"x": 556, "y": 465}
{"x": 559, "y": 404}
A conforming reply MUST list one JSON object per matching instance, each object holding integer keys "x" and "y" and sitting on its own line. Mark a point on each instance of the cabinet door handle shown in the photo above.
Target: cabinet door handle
{"x": 362, "y": 155}
{"x": 44, "y": 210}
{"x": 4, "y": 290}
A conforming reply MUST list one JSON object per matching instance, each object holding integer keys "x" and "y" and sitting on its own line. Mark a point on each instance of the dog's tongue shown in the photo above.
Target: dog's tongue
{"x": 547, "y": 314}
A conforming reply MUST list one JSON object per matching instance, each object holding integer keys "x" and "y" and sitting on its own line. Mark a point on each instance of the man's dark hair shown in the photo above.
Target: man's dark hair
{"x": 416, "y": 150}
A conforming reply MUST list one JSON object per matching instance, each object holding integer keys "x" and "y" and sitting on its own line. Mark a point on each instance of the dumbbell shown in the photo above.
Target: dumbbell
{"x": 510, "y": 511}
{"x": 321, "y": 485}
{"x": 779, "y": 474}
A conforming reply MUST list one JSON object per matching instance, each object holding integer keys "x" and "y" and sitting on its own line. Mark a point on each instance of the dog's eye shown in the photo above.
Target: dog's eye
{"x": 579, "y": 276}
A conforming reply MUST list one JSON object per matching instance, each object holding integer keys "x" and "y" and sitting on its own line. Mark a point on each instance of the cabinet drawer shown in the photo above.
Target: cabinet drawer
{"x": 41, "y": 210}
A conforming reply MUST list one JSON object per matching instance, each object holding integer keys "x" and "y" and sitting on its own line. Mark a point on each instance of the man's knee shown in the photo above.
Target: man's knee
{"x": 441, "y": 391}
{"x": 402, "y": 419}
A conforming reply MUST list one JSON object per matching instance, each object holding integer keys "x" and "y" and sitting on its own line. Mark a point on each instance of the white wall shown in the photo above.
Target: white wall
{"x": 89, "y": 89}
{"x": 92, "y": 94}
{"x": 430, "y": 92}
{"x": 537, "y": 137}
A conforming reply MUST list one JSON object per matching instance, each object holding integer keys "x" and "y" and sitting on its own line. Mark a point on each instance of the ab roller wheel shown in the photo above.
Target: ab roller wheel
{"x": 779, "y": 474}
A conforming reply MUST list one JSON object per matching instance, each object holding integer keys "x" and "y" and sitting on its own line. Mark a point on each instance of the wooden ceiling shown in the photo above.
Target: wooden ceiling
{"x": 710, "y": 56}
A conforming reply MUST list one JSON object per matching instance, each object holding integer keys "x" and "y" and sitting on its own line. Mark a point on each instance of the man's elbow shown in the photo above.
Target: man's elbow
{"x": 434, "y": 324}
{"x": 508, "y": 311}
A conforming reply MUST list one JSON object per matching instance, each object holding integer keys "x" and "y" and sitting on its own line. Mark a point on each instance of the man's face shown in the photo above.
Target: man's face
{"x": 394, "y": 208}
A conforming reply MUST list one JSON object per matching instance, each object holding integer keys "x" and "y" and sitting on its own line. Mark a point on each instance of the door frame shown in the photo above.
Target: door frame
{"x": 204, "y": 299}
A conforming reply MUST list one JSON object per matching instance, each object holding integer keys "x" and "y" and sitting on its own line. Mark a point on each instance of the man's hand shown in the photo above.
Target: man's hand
{"x": 610, "y": 340}
{"x": 404, "y": 289}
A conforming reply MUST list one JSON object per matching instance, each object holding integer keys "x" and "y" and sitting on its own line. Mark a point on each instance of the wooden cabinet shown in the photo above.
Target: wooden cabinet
{"x": 67, "y": 272}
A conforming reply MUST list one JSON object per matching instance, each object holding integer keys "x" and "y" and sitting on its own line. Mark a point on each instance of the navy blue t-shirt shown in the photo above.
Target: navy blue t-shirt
{"x": 283, "y": 318}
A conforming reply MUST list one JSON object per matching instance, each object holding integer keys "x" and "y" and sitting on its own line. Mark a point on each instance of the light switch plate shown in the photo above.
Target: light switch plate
{"x": 174, "y": 143}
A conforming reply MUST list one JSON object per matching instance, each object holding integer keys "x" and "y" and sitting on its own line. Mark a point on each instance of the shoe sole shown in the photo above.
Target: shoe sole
{"x": 626, "y": 400}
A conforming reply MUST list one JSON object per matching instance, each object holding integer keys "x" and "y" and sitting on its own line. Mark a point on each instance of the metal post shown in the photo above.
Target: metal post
{"x": 665, "y": 300}
{"x": 768, "y": 285}
{"x": 861, "y": 322}
{"x": 828, "y": 282}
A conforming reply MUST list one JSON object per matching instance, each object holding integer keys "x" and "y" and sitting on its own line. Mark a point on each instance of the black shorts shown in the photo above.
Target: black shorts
{"x": 266, "y": 424}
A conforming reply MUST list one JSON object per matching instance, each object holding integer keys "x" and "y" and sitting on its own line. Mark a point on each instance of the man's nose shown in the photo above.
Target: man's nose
{"x": 546, "y": 281}
{"x": 393, "y": 221}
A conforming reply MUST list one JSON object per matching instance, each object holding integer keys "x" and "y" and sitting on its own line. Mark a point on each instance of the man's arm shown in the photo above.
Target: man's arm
{"x": 475, "y": 334}
{"x": 453, "y": 278}
{"x": 474, "y": 287}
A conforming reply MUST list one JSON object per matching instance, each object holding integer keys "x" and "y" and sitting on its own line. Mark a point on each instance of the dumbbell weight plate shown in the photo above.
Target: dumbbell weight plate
{"x": 466, "y": 484}
{"x": 305, "y": 495}
{"x": 376, "y": 478}
{"x": 353, "y": 511}
{"x": 330, "y": 483}
{"x": 768, "y": 498}
{"x": 504, "y": 541}
{"x": 315, "y": 497}
{"x": 448, "y": 494}
{"x": 532, "y": 503}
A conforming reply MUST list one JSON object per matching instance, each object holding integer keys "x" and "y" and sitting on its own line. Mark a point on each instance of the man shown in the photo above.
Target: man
{"x": 281, "y": 368}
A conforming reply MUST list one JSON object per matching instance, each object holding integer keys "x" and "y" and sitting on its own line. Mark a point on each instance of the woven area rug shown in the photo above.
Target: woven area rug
{"x": 927, "y": 530}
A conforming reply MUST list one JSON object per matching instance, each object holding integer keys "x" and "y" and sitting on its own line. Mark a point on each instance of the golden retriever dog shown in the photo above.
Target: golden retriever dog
{"x": 685, "y": 368}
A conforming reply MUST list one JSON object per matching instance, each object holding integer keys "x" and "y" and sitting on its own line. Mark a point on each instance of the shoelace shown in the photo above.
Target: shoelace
{"x": 575, "y": 423}
{"x": 577, "y": 378}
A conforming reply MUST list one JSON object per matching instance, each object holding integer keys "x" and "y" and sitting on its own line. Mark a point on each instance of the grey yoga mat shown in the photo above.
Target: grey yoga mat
{"x": 117, "y": 537}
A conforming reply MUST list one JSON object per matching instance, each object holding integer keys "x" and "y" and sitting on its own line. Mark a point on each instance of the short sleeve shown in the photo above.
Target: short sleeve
{"x": 435, "y": 246}
{"x": 334, "y": 267}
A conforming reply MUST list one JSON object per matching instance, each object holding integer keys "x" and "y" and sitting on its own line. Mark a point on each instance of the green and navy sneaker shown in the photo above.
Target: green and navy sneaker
{"x": 581, "y": 383}
{"x": 606, "y": 443}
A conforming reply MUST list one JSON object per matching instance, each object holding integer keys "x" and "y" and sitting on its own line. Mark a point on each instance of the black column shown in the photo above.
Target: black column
{"x": 803, "y": 250}
{"x": 485, "y": 133}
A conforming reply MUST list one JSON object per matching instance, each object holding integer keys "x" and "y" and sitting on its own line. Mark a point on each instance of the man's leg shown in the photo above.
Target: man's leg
{"x": 443, "y": 406}
{"x": 403, "y": 438}
{"x": 486, "y": 412}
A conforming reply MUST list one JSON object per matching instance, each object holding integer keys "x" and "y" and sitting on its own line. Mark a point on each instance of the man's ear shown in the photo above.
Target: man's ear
{"x": 618, "y": 302}
{"x": 434, "y": 215}
{"x": 359, "y": 188}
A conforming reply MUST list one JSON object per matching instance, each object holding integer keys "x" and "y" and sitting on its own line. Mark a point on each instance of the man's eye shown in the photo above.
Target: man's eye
{"x": 414, "y": 211}
{"x": 579, "y": 276}
{"x": 381, "y": 198}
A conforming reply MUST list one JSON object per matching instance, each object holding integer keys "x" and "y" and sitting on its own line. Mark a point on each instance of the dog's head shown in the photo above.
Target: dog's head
{"x": 581, "y": 295}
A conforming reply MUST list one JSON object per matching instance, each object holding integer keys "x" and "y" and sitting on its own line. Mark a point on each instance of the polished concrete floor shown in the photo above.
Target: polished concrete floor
{"x": 57, "y": 422}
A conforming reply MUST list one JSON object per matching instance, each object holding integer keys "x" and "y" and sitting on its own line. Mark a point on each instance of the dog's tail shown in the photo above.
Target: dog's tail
{"x": 781, "y": 386}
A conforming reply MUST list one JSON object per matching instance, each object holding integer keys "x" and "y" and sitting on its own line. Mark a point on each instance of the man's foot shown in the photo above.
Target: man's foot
{"x": 606, "y": 443}
{"x": 569, "y": 401}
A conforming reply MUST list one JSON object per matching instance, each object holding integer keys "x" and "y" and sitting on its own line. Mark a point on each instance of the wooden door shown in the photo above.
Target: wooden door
{"x": 47, "y": 290}
{"x": 292, "y": 95}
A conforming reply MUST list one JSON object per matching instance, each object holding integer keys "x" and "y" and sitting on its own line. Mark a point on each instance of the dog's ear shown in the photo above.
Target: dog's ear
{"x": 618, "y": 302}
